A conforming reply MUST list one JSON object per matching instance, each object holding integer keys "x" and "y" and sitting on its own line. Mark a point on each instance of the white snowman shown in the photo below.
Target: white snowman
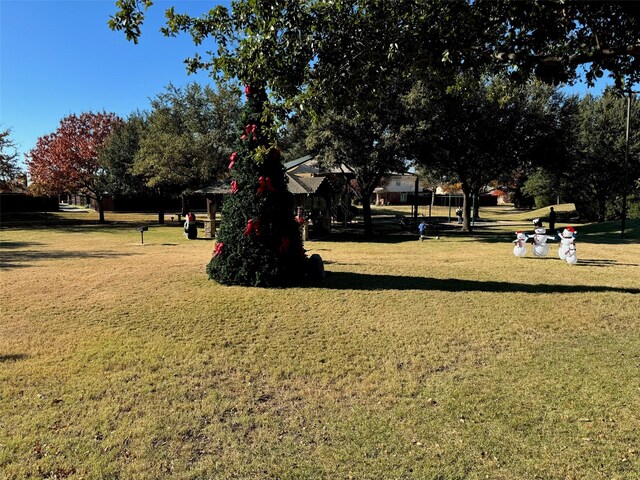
{"x": 540, "y": 247}
{"x": 520, "y": 248}
{"x": 567, "y": 248}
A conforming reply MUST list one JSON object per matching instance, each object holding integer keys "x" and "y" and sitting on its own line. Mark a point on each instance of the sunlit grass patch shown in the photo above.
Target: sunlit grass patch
{"x": 447, "y": 358}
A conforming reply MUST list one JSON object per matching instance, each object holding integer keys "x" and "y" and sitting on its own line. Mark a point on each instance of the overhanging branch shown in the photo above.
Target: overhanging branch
{"x": 572, "y": 60}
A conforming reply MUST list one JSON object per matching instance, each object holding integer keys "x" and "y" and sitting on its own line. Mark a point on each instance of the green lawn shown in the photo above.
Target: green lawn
{"x": 443, "y": 359}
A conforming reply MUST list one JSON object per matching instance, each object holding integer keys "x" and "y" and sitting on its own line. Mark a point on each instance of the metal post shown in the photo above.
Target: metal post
{"x": 449, "y": 220}
{"x": 142, "y": 230}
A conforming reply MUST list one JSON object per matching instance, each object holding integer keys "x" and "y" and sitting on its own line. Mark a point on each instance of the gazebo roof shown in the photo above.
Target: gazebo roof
{"x": 298, "y": 184}
{"x": 219, "y": 187}
{"x": 309, "y": 165}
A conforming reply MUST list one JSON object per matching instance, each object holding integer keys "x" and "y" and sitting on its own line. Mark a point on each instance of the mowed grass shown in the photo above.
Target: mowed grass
{"x": 443, "y": 359}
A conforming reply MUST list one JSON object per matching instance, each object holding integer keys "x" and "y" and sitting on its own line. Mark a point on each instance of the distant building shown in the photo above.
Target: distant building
{"x": 400, "y": 189}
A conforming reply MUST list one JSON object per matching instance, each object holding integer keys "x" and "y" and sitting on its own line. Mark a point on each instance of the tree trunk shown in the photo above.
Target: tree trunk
{"x": 160, "y": 207}
{"x": 433, "y": 200}
{"x": 366, "y": 213}
{"x": 185, "y": 204}
{"x": 466, "y": 209}
{"x": 602, "y": 209}
{"x": 100, "y": 209}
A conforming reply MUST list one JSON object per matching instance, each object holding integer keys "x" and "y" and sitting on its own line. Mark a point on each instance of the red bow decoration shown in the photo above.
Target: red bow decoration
{"x": 251, "y": 128}
{"x": 252, "y": 226}
{"x": 247, "y": 90}
{"x": 234, "y": 186}
{"x": 233, "y": 158}
{"x": 284, "y": 245}
{"x": 218, "y": 249}
{"x": 265, "y": 184}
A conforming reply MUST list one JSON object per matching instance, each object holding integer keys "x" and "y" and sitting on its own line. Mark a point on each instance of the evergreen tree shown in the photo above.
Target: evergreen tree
{"x": 259, "y": 241}
{"x": 10, "y": 173}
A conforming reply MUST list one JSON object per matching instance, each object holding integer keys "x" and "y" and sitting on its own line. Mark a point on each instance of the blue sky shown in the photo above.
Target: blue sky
{"x": 60, "y": 57}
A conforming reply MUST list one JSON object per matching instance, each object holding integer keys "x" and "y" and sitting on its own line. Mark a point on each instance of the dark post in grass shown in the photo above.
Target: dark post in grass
{"x": 142, "y": 230}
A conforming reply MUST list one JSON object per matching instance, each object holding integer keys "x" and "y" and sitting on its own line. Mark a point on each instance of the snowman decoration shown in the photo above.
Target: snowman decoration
{"x": 520, "y": 248}
{"x": 567, "y": 249}
{"x": 540, "y": 247}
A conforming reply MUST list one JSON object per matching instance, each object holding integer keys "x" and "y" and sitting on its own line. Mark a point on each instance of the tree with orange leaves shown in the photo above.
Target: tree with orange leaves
{"x": 67, "y": 160}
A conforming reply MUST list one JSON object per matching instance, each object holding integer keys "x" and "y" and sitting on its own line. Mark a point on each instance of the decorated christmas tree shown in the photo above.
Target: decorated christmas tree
{"x": 259, "y": 242}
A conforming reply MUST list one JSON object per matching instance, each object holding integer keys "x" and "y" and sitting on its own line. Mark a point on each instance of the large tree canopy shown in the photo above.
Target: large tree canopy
{"x": 593, "y": 177}
{"x": 559, "y": 39}
{"x": 367, "y": 145}
{"x": 68, "y": 160}
{"x": 339, "y": 56}
{"x": 185, "y": 144}
{"x": 308, "y": 47}
{"x": 481, "y": 129}
{"x": 118, "y": 156}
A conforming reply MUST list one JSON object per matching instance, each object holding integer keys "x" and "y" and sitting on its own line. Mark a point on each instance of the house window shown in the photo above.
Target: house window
{"x": 398, "y": 183}
{"x": 403, "y": 197}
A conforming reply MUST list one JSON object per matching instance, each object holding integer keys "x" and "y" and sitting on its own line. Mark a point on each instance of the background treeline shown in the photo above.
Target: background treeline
{"x": 527, "y": 139}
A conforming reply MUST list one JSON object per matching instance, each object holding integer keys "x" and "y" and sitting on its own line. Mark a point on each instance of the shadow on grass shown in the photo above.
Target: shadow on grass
{"x": 358, "y": 237}
{"x": 12, "y": 257}
{"x": 607, "y": 233}
{"x": 59, "y": 222}
{"x": 13, "y": 357}
{"x": 597, "y": 262}
{"x": 360, "y": 281}
{"x": 14, "y": 245}
{"x": 329, "y": 262}
{"x": 485, "y": 236}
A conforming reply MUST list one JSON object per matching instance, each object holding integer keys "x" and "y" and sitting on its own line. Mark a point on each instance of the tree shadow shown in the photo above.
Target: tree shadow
{"x": 101, "y": 227}
{"x": 486, "y": 236}
{"x": 92, "y": 226}
{"x": 358, "y": 237}
{"x": 372, "y": 282}
{"x": 26, "y": 258}
{"x": 330, "y": 262}
{"x": 597, "y": 262}
{"x": 15, "y": 245}
{"x": 14, "y": 357}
